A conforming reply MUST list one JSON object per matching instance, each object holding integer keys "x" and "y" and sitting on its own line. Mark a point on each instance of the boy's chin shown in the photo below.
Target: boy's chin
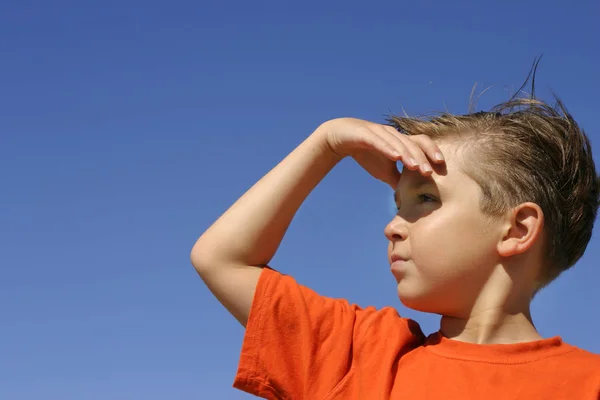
{"x": 418, "y": 301}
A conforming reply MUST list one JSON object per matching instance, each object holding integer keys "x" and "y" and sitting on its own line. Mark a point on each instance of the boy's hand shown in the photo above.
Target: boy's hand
{"x": 378, "y": 147}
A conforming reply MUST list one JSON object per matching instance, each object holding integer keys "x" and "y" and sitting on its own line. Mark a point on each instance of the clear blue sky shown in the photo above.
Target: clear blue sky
{"x": 127, "y": 127}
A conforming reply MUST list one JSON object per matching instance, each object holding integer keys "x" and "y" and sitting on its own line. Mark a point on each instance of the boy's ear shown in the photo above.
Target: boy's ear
{"x": 523, "y": 227}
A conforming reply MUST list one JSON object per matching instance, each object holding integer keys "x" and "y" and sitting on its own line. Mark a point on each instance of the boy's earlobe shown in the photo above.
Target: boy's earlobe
{"x": 524, "y": 227}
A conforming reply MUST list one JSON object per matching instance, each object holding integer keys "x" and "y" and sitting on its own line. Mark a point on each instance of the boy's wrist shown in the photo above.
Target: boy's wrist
{"x": 320, "y": 136}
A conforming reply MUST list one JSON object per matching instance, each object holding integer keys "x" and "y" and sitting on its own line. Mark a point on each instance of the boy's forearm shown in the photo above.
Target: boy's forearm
{"x": 250, "y": 231}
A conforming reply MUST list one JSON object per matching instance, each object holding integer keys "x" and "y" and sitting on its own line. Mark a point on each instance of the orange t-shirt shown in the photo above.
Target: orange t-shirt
{"x": 300, "y": 345}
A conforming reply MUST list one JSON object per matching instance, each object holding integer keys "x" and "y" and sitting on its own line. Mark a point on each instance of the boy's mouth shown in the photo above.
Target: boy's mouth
{"x": 397, "y": 266}
{"x": 397, "y": 257}
{"x": 398, "y": 269}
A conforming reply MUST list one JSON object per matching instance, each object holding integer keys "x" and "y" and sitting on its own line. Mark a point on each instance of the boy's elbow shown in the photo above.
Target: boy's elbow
{"x": 204, "y": 258}
{"x": 207, "y": 256}
{"x": 200, "y": 257}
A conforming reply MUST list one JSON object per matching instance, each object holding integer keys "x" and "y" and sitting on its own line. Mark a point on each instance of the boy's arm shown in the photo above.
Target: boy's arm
{"x": 230, "y": 254}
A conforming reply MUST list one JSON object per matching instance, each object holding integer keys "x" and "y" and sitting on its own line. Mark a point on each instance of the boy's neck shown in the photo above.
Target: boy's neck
{"x": 501, "y": 312}
{"x": 493, "y": 326}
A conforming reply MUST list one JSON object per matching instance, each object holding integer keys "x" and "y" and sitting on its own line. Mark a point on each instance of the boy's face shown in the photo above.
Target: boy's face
{"x": 449, "y": 245}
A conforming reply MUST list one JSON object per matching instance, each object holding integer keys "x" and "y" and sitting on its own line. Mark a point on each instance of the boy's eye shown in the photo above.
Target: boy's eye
{"x": 423, "y": 198}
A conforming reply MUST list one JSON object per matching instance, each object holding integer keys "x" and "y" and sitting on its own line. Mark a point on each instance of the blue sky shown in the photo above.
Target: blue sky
{"x": 128, "y": 127}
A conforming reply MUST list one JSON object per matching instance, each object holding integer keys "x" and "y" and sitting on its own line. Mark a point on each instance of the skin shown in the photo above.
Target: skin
{"x": 477, "y": 272}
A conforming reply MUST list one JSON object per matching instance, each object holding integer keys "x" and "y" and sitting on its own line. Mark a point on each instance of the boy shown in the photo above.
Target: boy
{"x": 491, "y": 208}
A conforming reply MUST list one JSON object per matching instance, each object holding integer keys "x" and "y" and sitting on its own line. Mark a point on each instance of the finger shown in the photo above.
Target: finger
{"x": 371, "y": 140}
{"x": 429, "y": 147}
{"x": 416, "y": 154}
{"x": 378, "y": 166}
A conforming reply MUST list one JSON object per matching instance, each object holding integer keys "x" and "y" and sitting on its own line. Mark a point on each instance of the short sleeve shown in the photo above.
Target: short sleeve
{"x": 301, "y": 345}
{"x": 296, "y": 342}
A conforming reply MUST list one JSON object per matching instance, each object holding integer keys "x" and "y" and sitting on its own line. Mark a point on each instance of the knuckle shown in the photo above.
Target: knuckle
{"x": 364, "y": 136}
{"x": 425, "y": 143}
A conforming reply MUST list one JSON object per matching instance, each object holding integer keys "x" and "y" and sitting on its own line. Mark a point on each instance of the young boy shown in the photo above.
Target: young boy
{"x": 491, "y": 208}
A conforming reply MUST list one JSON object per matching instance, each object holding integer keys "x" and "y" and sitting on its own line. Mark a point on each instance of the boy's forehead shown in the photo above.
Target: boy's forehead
{"x": 415, "y": 180}
{"x": 445, "y": 176}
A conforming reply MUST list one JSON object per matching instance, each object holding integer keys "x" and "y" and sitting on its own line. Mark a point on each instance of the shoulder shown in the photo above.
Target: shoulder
{"x": 382, "y": 334}
{"x": 386, "y": 322}
{"x": 583, "y": 359}
{"x": 581, "y": 366}
{"x": 583, "y": 356}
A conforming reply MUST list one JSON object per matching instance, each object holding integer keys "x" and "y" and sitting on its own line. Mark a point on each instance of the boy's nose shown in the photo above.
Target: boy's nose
{"x": 396, "y": 230}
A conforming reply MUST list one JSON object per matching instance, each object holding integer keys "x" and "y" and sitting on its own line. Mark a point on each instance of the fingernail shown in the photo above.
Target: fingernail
{"x": 427, "y": 167}
{"x": 439, "y": 156}
{"x": 414, "y": 162}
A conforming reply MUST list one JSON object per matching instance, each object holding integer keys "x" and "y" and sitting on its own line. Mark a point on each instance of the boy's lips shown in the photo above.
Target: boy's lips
{"x": 397, "y": 257}
{"x": 397, "y": 266}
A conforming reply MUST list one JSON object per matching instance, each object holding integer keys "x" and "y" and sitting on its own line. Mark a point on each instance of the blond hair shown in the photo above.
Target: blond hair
{"x": 524, "y": 150}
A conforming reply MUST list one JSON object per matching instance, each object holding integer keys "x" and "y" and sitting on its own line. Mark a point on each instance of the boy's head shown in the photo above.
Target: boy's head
{"x": 519, "y": 187}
